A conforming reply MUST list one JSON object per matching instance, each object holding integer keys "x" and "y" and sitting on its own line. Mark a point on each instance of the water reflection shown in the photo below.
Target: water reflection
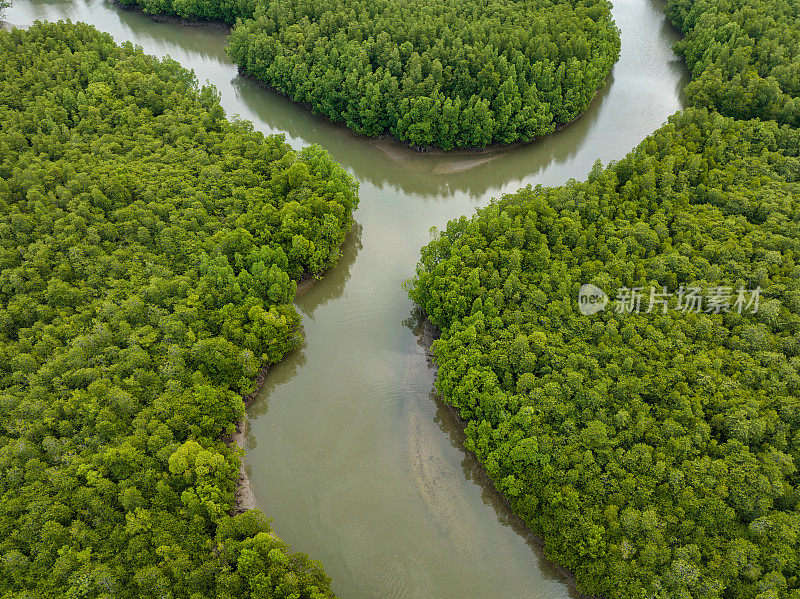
{"x": 279, "y": 374}
{"x": 429, "y": 175}
{"x": 313, "y": 294}
{"x": 640, "y": 93}
{"x": 207, "y": 42}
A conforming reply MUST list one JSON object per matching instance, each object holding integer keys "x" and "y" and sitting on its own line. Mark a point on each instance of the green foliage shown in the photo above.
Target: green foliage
{"x": 656, "y": 452}
{"x": 226, "y": 11}
{"x": 149, "y": 254}
{"x": 744, "y": 56}
{"x": 465, "y": 74}
{"x": 430, "y": 73}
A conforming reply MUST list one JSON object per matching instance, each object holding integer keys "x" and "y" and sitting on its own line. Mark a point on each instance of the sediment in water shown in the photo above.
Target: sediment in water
{"x": 427, "y": 335}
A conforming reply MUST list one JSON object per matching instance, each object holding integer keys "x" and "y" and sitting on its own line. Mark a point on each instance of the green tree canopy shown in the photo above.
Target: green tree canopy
{"x": 149, "y": 254}
{"x": 469, "y": 73}
{"x": 656, "y": 452}
{"x": 744, "y": 56}
{"x": 461, "y": 74}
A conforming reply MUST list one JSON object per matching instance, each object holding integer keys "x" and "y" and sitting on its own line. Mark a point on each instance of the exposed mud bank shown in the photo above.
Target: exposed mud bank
{"x": 245, "y": 498}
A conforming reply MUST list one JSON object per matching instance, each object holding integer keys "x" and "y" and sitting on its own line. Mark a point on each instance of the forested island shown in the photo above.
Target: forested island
{"x": 656, "y": 448}
{"x": 448, "y": 74}
{"x": 149, "y": 255}
{"x": 465, "y": 74}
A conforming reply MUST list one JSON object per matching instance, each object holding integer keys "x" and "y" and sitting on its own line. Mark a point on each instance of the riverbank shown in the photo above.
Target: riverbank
{"x": 172, "y": 19}
{"x": 426, "y": 335}
{"x": 346, "y": 491}
{"x": 427, "y": 150}
{"x": 244, "y": 495}
{"x": 383, "y": 137}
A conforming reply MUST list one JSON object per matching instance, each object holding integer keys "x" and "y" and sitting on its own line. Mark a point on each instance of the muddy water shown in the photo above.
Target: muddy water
{"x": 348, "y": 450}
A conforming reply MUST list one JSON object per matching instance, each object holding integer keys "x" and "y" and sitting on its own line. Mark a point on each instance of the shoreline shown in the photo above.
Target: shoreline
{"x": 385, "y": 137}
{"x": 173, "y": 19}
{"x": 244, "y": 495}
{"x": 428, "y": 334}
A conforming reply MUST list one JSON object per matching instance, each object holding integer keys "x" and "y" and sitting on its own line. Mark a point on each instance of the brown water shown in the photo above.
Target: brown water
{"x": 348, "y": 450}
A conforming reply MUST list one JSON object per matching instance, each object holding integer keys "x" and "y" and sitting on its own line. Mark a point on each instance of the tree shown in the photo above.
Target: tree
{"x": 150, "y": 260}
{"x": 655, "y": 451}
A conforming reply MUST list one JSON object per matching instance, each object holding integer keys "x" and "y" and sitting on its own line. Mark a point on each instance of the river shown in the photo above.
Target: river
{"x": 348, "y": 449}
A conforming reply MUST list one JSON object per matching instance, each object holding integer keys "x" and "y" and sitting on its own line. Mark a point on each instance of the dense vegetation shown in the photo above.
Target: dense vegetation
{"x": 431, "y": 73}
{"x": 226, "y": 11}
{"x": 149, "y": 253}
{"x": 461, "y": 74}
{"x": 744, "y": 56}
{"x": 656, "y": 452}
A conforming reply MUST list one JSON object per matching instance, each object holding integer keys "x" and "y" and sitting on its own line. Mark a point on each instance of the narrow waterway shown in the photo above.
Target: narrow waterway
{"x": 348, "y": 450}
